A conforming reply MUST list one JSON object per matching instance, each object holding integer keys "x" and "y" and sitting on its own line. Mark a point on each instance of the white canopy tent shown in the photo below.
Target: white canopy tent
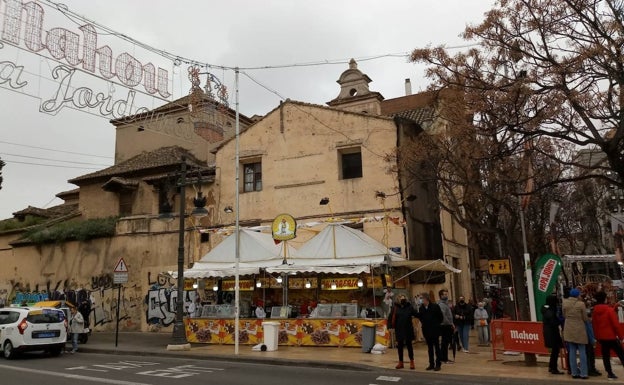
{"x": 256, "y": 250}
{"x": 338, "y": 249}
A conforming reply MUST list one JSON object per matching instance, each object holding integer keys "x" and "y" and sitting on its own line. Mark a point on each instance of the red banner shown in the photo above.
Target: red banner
{"x": 518, "y": 336}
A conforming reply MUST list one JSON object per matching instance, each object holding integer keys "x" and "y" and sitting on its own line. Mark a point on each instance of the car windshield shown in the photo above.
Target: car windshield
{"x": 45, "y": 316}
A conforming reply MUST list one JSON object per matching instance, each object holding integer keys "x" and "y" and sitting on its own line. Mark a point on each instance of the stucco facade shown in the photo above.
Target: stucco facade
{"x": 289, "y": 160}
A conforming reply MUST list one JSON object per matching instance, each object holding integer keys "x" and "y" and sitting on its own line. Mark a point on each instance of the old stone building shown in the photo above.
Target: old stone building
{"x": 289, "y": 160}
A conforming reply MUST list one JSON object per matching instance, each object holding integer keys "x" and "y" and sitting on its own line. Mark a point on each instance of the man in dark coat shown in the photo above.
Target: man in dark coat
{"x": 552, "y": 332}
{"x": 400, "y": 319}
{"x": 463, "y": 319}
{"x": 430, "y": 317}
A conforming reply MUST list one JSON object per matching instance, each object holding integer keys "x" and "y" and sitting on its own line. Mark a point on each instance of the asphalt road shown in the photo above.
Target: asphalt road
{"x": 115, "y": 369}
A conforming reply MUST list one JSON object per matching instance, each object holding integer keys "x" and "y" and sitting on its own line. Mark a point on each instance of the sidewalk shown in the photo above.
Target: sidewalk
{"x": 478, "y": 362}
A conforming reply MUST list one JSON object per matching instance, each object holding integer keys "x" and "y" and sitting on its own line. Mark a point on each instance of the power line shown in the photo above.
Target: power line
{"x": 51, "y": 165}
{"x": 55, "y": 150}
{"x": 177, "y": 60}
{"x": 55, "y": 160}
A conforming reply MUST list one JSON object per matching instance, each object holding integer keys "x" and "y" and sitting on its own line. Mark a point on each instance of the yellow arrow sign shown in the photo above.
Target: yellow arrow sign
{"x": 499, "y": 266}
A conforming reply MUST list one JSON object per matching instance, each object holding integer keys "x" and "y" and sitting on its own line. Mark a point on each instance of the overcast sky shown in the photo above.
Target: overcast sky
{"x": 43, "y": 151}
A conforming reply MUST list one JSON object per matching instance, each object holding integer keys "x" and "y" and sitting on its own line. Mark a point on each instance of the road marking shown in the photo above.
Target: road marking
{"x": 179, "y": 371}
{"x": 388, "y": 378}
{"x": 72, "y": 376}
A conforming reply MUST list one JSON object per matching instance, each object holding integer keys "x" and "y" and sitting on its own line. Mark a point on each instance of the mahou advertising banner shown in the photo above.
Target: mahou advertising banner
{"x": 547, "y": 270}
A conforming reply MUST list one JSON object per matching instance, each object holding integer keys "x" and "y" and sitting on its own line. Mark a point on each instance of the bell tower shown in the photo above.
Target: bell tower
{"x": 354, "y": 93}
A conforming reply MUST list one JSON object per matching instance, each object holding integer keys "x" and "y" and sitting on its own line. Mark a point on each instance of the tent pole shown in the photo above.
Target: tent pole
{"x": 334, "y": 239}
{"x": 372, "y": 274}
{"x": 415, "y": 270}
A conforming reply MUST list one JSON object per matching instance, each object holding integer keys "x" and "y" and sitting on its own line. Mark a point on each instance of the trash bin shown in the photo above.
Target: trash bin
{"x": 368, "y": 336}
{"x": 271, "y": 335}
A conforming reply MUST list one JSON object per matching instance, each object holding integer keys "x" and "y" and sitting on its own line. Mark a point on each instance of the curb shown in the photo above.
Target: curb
{"x": 247, "y": 359}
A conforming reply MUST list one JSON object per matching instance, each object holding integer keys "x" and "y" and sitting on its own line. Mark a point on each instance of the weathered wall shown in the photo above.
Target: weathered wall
{"x": 77, "y": 269}
{"x": 299, "y": 148}
{"x": 97, "y": 203}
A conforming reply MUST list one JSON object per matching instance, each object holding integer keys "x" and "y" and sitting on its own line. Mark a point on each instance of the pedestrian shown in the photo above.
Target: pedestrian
{"x": 400, "y": 319}
{"x": 76, "y": 327}
{"x": 574, "y": 333}
{"x": 418, "y": 301}
{"x": 551, "y": 326}
{"x": 606, "y": 329}
{"x": 195, "y": 308}
{"x": 430, "y": 317}
{"x": 590, "y": 348}
{"x": 481, "y": 324}
{"x": 462, "y": 318}
{"x": 446, "y": 327}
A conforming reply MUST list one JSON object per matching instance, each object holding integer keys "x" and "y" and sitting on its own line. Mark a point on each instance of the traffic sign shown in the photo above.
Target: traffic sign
{"x": 119, "y": 278}
{"x": 121, "y": 267}
{"x": 120, "y": 272}
{"x": 499, "y": 266}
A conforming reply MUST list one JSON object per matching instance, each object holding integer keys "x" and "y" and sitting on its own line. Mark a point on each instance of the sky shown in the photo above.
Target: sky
{"x": 283, "y": 48}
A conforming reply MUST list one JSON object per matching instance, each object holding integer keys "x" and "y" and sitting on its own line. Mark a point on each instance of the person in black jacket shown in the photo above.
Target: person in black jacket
{"x": 430, "y": 317}
{"x": 551, "y": 324}
{"x": 400, "y": 319}
{"x": 463, "y": 319}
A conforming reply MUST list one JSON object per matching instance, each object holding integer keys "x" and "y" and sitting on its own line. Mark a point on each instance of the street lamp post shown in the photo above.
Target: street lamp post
{"x": 179, "y": 334}
{"x": 178, "y": 341}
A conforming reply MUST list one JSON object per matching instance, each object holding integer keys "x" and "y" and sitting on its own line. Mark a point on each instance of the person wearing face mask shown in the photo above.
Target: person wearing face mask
{"x": 446, "y": 327}
{"x": 400, "y": 319}
{"x": 430, "y": 317}
{"x": 481, "y": 324}
{"x": 462, "y": 315}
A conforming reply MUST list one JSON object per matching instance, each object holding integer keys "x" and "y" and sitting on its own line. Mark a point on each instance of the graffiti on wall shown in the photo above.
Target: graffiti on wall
{"x": 162, "y": 298}
{"x": 100, "y": 294}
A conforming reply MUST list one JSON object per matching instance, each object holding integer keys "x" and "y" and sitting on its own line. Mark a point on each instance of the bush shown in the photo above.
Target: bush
{"x": 72, "y": 231}
{"x": 14, "y": 224}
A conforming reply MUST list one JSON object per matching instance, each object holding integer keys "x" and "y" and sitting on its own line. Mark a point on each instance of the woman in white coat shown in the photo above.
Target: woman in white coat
{"x": 76, "y": 327}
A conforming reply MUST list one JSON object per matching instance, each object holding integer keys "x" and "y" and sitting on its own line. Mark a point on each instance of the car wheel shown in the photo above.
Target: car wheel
{"x": 8, "y": 350}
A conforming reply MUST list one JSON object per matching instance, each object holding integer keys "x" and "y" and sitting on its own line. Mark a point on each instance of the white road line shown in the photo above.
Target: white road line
{"x": 72, "y": 376}
{"x": 388, "y": 378}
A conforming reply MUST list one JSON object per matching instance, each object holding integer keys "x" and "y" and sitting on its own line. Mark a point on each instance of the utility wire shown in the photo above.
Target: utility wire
{"x": 55, "y": 160}
{"x": 177, "y": 59}
{"x": 52, "y": 165}
{"x": 55, "y": 150}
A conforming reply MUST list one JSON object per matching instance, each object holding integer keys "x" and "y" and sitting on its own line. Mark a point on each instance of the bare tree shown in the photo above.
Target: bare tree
{"x": 542, "y": 83}
{"x": 547, "y": 69}
{"x": 2, "y": 164}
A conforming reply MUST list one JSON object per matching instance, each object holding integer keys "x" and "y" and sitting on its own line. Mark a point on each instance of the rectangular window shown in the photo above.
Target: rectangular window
{"x": 252, "y": 177}
{"x": 351, "y": 163}
{"x": 126, "y": 199}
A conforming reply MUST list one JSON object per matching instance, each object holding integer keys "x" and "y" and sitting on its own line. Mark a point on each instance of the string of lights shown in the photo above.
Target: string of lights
{"x": 178, "y": 59}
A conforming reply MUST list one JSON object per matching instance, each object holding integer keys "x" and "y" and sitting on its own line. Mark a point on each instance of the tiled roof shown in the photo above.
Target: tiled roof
{"x": 68, "y": 192}
{"x": 418, "y": 115}
{"x": 115, "y": 182}
{"x": 410, "y": 102}
{"x": 179, "y": 105}
{"x": 164, "y": 157}
{"x": 51, "y": 213}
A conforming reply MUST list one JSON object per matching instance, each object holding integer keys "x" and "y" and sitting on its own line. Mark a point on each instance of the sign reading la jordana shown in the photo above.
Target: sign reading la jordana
{"x": 284, "y": 227}
{"x": 78, "y": 59}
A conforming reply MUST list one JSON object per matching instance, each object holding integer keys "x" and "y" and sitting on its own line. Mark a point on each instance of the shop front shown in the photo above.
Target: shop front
{"x": 312, "y": 310}
{"x": 321, "y": 294}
